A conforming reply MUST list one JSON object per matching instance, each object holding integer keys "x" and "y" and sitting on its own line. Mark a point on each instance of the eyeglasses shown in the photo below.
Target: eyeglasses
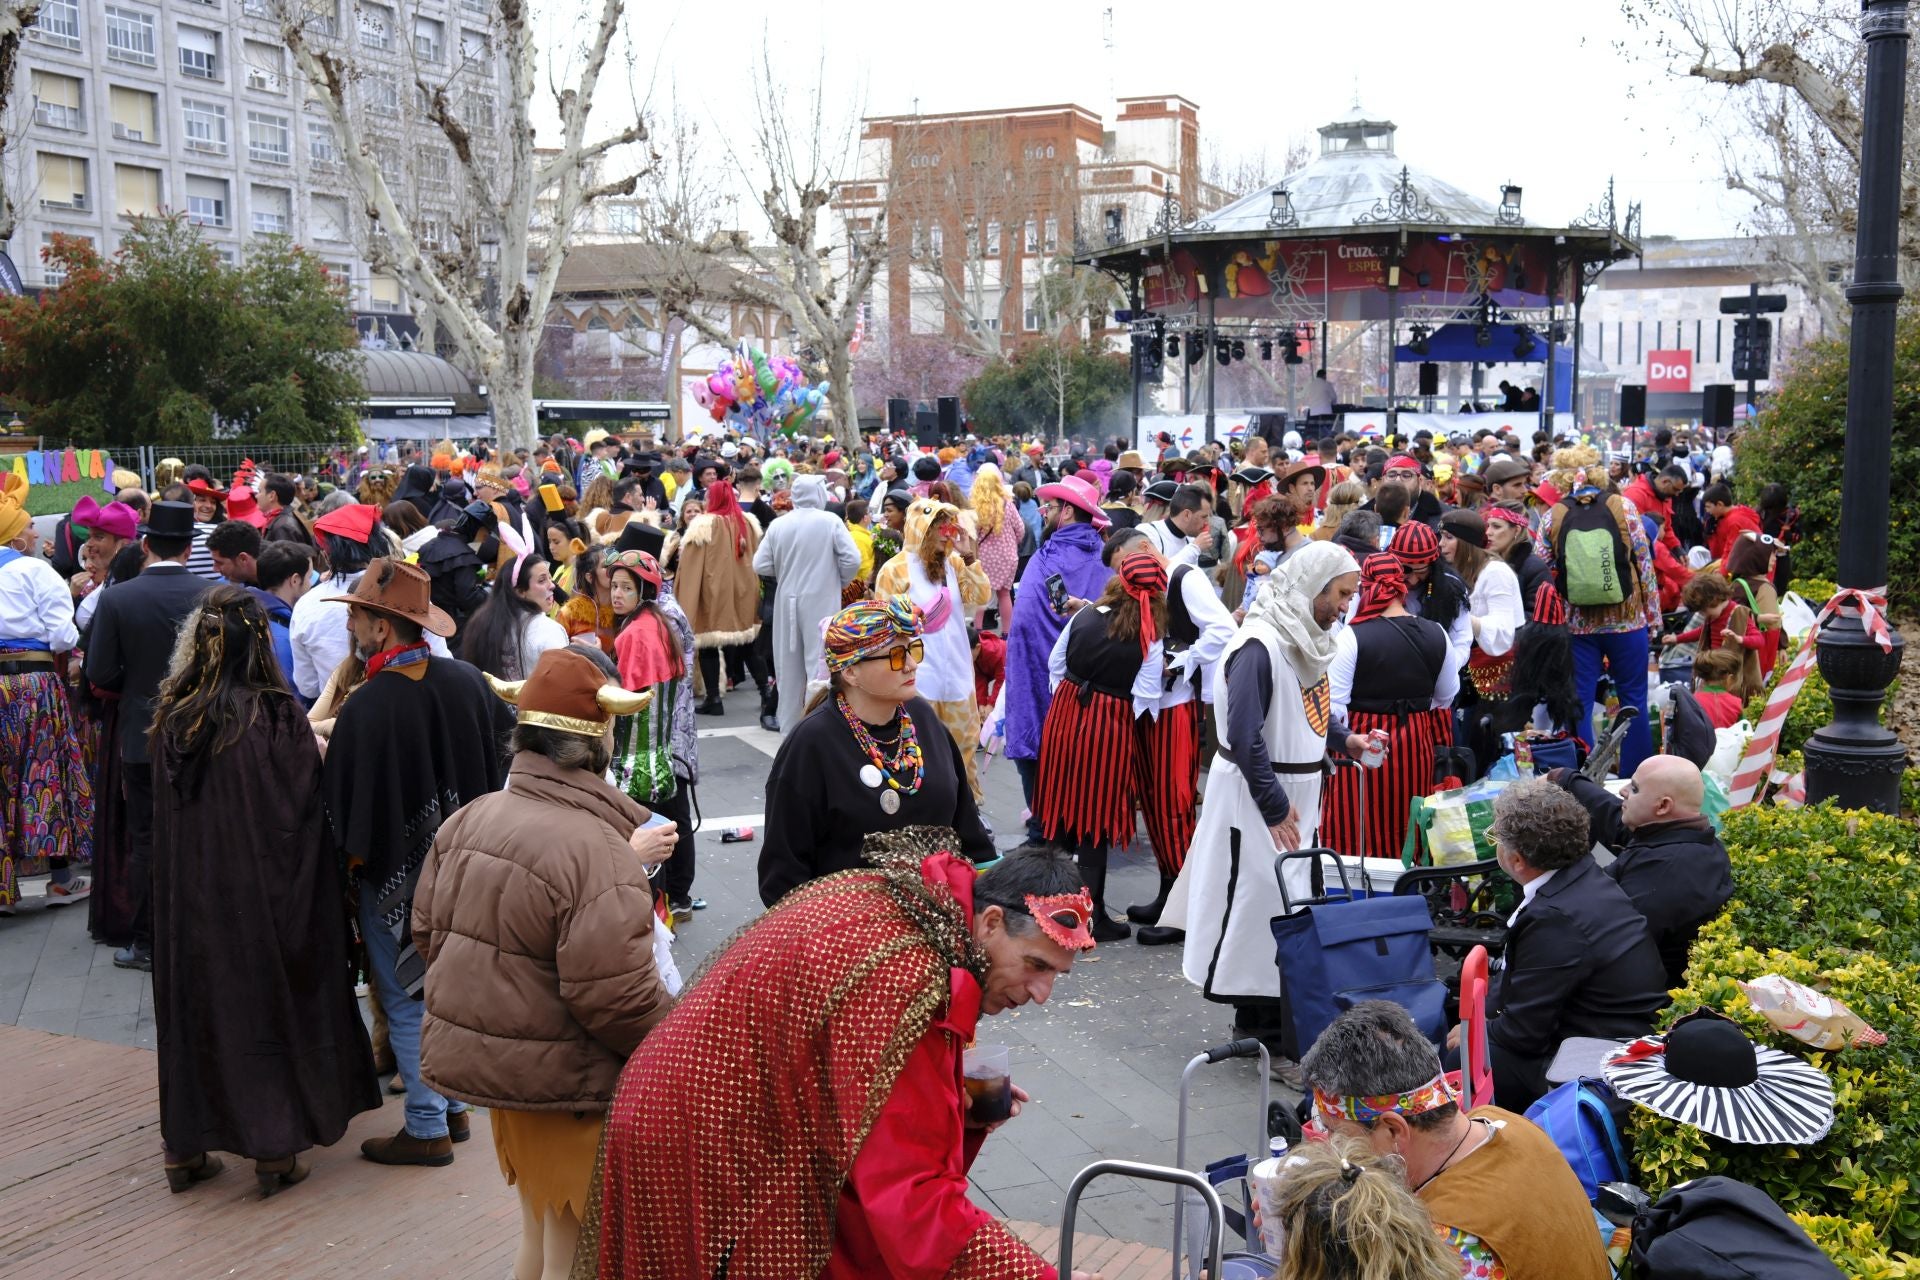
{"x": 897, "y": 658}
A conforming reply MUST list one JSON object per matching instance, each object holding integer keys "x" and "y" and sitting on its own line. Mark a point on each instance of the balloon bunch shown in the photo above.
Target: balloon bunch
{"x": 753, "y": 389}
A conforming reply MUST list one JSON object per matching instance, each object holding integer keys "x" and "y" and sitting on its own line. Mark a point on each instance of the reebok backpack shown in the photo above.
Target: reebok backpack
{"x": 1590, "y": 554}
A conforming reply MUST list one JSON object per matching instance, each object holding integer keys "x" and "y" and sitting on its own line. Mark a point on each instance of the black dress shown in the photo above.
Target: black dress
{"x": 819, "y": 812}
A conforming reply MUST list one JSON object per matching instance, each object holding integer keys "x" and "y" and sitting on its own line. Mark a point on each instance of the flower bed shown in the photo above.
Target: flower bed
{"x": 1830, "y": 898}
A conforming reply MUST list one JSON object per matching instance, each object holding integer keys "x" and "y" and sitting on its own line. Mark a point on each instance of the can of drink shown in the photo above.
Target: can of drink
{"x": 1376, "y": 753}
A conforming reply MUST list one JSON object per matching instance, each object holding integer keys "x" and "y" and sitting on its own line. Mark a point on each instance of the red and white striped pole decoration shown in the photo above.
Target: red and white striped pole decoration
{"x": 1756, "y": 766}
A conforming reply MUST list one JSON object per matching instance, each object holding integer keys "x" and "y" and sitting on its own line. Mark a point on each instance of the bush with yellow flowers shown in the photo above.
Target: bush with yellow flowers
{"x": 1829, "y": 898}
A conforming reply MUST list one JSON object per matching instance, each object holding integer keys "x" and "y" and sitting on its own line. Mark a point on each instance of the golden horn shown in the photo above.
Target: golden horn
{"x": 617, "y": 701}
{"x": 507, "y": 690}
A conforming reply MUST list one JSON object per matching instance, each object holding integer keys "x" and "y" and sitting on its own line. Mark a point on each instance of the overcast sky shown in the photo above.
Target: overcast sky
{"x": 1483, "y": 91}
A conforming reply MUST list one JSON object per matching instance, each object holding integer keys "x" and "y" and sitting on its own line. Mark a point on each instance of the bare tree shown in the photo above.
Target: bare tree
{"x": 15, "y": 17}
{"x": 816, "y": 280}
{"x": 1237, "y": 173}
{"x": 1069, "y": 302}
{"x": 1789, "y": 128}
{"x": 500, "y": 349}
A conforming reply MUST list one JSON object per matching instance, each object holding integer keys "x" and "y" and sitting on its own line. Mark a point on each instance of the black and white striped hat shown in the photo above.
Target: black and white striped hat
{"x": 1705, "y": 1072}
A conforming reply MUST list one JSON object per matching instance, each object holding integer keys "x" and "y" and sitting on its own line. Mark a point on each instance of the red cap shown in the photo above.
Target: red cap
{"x": 354, "y": 523}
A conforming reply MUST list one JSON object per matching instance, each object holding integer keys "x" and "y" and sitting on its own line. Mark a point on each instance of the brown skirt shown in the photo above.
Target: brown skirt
{"x": 549, "y": 1155}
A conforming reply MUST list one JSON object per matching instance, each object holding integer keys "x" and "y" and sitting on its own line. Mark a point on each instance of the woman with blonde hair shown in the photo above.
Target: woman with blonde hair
{"x": 1349, "y": 1216}
{"x": 595, "y": 505}
{"x": 1345, "y": 497}
{"x": 997, "y": 525}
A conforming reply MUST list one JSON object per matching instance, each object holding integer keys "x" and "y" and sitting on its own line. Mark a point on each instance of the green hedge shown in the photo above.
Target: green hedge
{"x": 1829, "y": 898}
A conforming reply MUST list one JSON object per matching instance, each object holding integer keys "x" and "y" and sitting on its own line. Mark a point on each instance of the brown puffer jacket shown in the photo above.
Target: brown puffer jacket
{"x": 536, "y": 921}
{"x": 716, "y": 585}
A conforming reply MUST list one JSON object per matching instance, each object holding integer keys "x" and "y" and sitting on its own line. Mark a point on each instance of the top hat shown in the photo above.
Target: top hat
{"x": 168, "y": 520}
{"x": 399, "y": 590}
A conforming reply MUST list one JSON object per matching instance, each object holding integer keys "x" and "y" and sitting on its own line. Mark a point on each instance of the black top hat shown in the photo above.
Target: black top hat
{"x": 636, "y": 536}
{"x": 168, "y": 520}
{"x": 1162, "y": 491}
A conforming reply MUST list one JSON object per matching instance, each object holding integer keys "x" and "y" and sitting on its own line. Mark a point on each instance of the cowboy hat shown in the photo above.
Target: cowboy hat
{"x": 1299, "y": 469}
{"x": 1706, "y": 1073}
{"x": 1076, "y": 492}
{"x": 1130, "y": 461}
{"x": 399, "y": 590}
{"x": 567, "y": 693}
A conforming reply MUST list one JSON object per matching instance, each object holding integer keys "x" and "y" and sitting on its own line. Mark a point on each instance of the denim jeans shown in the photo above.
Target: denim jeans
{"x": 1625, "y": 654}
{"x": 1029, "y": 771}
{"x": 426, "y": 1110}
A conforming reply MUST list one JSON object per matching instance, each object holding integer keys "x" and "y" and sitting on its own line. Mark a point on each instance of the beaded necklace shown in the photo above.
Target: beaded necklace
{"x": 907, "y": 757}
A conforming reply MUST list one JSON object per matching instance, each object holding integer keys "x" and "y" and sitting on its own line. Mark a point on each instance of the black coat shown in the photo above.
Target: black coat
{"x": 1580, "y": 961}
{"x": 1677, "y": 873}
{"x": 130, "y": 644}
{"x": 453, "y": 570}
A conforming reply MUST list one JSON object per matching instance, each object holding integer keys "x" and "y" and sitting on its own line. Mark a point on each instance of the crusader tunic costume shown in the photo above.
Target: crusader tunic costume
{"x": 1275, "y": 720}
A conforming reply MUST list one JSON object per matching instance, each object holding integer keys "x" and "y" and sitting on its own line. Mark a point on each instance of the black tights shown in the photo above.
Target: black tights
{"x": 710, "y": 667}
{"x": 1091, "y": 858}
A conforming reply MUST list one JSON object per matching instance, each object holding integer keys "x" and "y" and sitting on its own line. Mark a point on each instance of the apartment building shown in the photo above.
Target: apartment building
{"x": 139, "y": 106}
{"x": 979, "y": 204}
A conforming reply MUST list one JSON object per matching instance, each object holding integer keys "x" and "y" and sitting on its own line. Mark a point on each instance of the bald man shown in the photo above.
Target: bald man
{"x": 1666, "y": 855}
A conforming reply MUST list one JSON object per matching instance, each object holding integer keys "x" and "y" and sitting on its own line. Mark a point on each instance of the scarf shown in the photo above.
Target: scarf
{"x": 1382, "y": 582}
{"x": 869, "y": 629}
{"x": 1144, "y": 577}
{"x": 401, "y": 655}
{"x": 1284, "y": 604}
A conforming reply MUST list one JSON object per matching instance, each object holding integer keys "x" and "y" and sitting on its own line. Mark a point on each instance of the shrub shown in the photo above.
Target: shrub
{"x": 1829, "y": 898}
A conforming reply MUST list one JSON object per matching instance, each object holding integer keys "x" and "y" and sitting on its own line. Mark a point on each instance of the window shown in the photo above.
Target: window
{"x": 1032, "y": 240}
{"x": 993, "y": 239}
{"x": 199, "y": 53}
{"x": 130, "y": 36}
{"x": 272, "y": 211}
{"x": 436, "y": 169}
{"x": 623, "y": 219}
{"x": 206, "y": 201}
{"x": 477, "y": 112}
{"x": 265, "y": 66}
{"x": 136, "y": 190}
{"x": 53, "y": 273}
{"x": 322, "y": 16}
{"x": 268, "y": 139}
{"x": 474, "y": 6}
{"x": 63, "y": 182}
{"x": 322, "y": 154}
{"x": 1053, "y": 235}
{"x": 383, "y": 95}
{"x": 383, "y": 292}
{"x": 475, "y": 46}
{"x": 327, "y": 218}
{"x": 597, "y": 323}
{"x": 135, "y": 114}
{"x": 206, "y": 126}
{"x": 56, "y": 101}
{"x": 431, "y": 231}
{"x": 58, "y": 24}
{"x": 429, "y": 38}
{"x": 936, "y": 240}
{"x": 1031, "y": 321}
{"x": 376, "y": 26}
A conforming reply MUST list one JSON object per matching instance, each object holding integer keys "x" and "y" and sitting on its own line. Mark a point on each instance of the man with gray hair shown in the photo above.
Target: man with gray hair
{"x": 1498, "y": 1188}
{"x": 1580, "y": 959}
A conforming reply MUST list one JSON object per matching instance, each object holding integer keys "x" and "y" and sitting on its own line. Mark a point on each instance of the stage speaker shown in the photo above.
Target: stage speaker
{"x": 1633, "y": 405}
{"x": 1716, "y": 405}
{"x": 899, "y": 417}
{"x": 926, "y": 428}
{"x": 1429, "y": 378}
{"x": 949, "y": 408}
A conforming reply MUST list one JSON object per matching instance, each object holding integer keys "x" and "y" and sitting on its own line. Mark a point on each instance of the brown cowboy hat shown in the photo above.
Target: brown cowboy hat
{"x": 1299, "y": 469}
{"x": 399, "y": 590}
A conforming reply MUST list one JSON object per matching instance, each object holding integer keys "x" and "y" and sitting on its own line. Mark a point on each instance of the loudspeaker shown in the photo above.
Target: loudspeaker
{"x": 949, "y": 409}
{"x": 926, "y": 428}
{"x": 1633, "y": 405}
{"x": 899, "y": 417}
{"x": 1429, "y": 378}
{"x": 1716, "y": 405}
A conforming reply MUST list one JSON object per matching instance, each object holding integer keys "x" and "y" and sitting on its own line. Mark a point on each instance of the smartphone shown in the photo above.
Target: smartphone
{"x": 1057, "y": 592}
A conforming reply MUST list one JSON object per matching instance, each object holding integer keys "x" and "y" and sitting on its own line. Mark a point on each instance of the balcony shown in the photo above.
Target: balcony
{"x": 207, "y": 146}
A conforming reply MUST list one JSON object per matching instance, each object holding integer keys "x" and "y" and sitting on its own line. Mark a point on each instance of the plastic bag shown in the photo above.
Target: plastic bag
{"x": 1796, "y": 615}
{"x": 1814, "y": 1019}
{"x": 1458, "y": 822}
{"x": 1714, "y": 801}
{"x": 1729, "y": 744}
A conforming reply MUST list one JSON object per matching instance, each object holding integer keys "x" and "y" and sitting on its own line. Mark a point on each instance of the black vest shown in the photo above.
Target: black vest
{"x": 1398, "y": 665}
{"x": 1097, "y": 661}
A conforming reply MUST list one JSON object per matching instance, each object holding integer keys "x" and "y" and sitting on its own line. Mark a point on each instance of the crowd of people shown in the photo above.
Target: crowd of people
{"x": 467, "y": 687}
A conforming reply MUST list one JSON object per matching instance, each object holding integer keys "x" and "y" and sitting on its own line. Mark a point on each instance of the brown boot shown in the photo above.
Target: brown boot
{"x": 459, "y": 1126}
{"x": 404, "y": 1148}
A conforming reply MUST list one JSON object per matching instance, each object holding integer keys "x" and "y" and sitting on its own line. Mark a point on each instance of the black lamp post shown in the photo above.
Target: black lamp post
{"x": 1854, "y": 760}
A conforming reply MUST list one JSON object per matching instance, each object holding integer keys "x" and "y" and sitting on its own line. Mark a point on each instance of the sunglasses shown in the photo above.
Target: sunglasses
{"x": 897, "y": 658}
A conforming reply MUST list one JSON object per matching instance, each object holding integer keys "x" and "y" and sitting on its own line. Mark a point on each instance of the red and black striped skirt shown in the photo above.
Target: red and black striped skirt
{"x": 1390, "y": 789}
{"x": 1087, "y": 745}
{"x": 1166, "y": 776}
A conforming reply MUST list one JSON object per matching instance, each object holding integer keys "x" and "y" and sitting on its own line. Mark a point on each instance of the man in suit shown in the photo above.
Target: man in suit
{"x": 1580, "y": 959}
{"x": 129, "y": 648}
{"x": 1666, "y": 855}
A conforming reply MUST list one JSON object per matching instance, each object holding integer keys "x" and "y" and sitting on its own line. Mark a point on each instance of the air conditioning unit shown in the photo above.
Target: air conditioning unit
{"x": 125, "y": 134}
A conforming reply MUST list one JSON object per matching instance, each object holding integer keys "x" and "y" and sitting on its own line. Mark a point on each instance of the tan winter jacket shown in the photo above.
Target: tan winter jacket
{"x": 535, "y": 918}
{"x": 716, "y": 585}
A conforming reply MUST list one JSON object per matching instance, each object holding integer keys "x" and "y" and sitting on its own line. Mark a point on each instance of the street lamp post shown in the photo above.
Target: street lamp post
{"x": 1854, "y": 760}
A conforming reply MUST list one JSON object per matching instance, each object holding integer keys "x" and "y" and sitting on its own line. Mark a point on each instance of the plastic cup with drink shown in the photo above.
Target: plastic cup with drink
{"x": 989, "y": 1086}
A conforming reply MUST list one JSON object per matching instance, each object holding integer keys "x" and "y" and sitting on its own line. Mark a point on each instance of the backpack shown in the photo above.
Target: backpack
{"x": 1719, "y": 1229}
{"x": 1590, "y": 553}
{"x": 1578, "y": 1116}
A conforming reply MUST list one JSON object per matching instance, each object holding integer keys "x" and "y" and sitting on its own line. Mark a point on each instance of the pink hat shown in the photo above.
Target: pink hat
{"x": 116, "y": 518}
{"x": 1076, "y": 492}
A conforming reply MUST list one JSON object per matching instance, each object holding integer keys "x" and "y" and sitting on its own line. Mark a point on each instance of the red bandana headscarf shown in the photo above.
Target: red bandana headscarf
{"x": 1144, "y": 577}
{"x": 722, "y": 501}
{"x": 1414, "y": 545}
{"x": 1381, "y": 583}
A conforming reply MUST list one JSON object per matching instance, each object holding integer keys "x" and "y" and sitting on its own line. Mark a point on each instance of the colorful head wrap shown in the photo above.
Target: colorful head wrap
{"x": 869, "y": 629}
{"x": 1144, "y": 577}
{"x": 1381, "y": 583}
{"x": 1434, "y": 1094}
{"x": 1414, "y": 545}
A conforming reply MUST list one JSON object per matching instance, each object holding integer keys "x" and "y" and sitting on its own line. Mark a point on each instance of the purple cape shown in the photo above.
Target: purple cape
{"x": 1073, "y": 552}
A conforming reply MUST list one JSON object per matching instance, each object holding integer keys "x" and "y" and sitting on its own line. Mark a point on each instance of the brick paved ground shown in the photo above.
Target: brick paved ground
{"x": 81, "y": 1193}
